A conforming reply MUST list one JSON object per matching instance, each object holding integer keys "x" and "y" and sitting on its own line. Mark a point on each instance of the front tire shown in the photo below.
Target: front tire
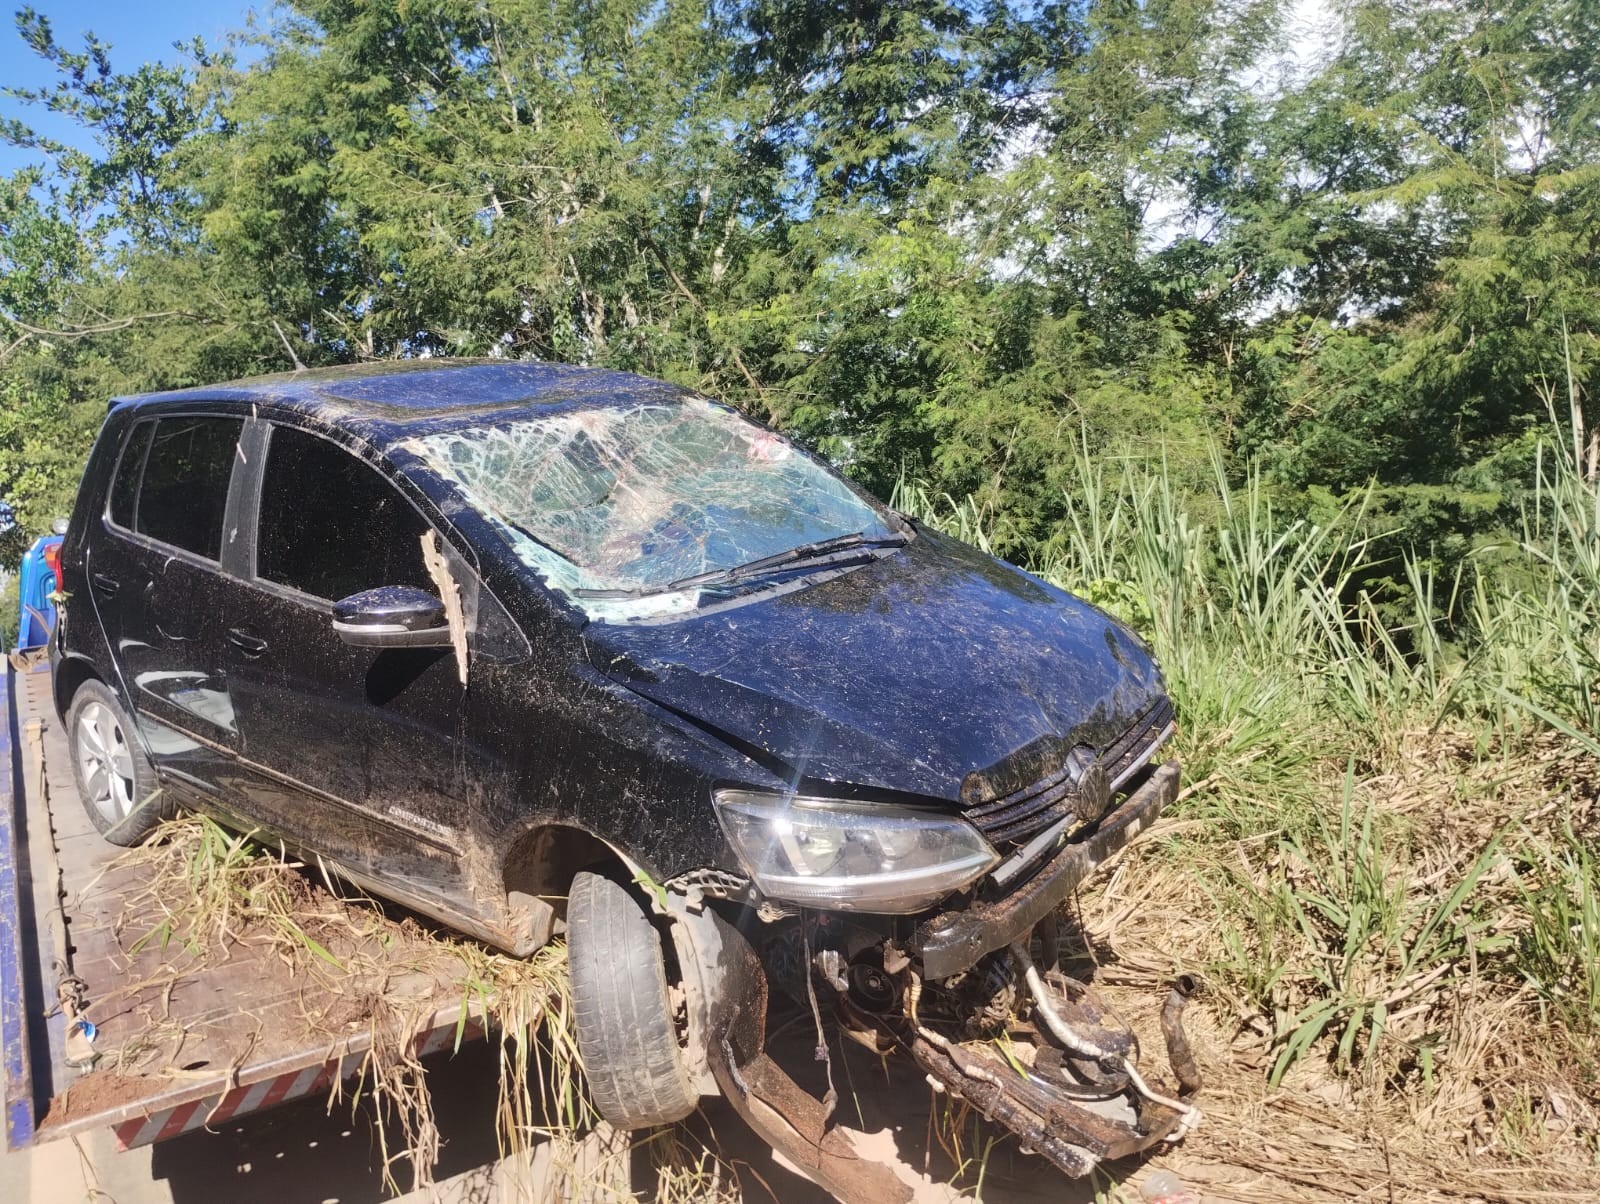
{"x": 623, "y": 1015}
{"x": 115, "y": 780}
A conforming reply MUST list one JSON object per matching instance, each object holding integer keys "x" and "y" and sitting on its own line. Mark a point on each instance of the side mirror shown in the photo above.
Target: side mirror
{"x": 392, "y": 616}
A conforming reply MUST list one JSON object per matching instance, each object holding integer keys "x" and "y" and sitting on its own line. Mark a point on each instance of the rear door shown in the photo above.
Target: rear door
{"x": 157, "y": 572}
{"x": 358, "y": 754}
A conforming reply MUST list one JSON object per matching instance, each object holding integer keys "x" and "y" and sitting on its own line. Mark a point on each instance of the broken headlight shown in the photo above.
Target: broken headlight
{"x": 850, "y": 856}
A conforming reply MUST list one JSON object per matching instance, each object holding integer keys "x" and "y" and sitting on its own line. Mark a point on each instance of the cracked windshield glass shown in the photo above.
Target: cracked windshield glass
{"x": 619, "y": 506}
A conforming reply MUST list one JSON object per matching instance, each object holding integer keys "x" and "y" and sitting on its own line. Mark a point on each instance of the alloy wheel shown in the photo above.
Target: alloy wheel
{"x": 105, "y": 762}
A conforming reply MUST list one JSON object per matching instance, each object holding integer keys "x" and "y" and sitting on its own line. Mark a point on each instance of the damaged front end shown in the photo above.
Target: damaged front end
{"x": 960, "y": 993}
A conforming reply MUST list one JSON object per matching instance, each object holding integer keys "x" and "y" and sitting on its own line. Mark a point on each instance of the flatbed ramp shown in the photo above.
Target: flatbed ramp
{"x": 183, "y": 1036}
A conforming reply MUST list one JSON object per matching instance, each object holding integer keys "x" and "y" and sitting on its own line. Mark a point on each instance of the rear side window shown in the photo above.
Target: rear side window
{"x": 184, "y": 489}
{"x": 125, "y": 486}
{"x": 330, "y": 525}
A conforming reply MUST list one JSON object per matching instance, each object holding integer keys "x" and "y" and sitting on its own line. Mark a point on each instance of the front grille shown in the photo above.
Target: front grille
{"x": 1013, "y": 818}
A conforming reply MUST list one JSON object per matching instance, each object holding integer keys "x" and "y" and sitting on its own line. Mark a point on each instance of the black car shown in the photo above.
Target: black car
{"x": 520, "y": 644}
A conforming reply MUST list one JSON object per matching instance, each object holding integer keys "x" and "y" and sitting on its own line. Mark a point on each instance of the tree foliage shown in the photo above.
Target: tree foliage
{"x": 942, "y": 239}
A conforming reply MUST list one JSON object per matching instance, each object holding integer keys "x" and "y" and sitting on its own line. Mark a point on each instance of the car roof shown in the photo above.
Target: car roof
{"x": 402, "y": 394}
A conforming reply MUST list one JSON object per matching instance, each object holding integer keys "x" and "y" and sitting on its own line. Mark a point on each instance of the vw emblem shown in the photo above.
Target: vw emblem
{"x": 1093, "y": 793}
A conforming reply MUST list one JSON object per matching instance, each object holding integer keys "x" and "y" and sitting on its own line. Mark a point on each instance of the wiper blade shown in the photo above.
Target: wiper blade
{"x": 791, "y": 558}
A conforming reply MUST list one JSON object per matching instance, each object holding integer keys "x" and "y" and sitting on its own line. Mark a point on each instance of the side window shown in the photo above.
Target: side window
{"x": 125, "y": 485}
{"x": 184, "y": 491}
{"x": 330, "y": 525}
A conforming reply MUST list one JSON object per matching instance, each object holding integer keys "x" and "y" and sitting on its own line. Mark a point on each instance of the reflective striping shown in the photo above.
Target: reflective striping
{"x": 285, "y": 1083}
{"x": 140, "y": 1132}
{"x": 128, "y": 1133}
{"x": 178, "y": 1120}
{"x": 269, "y": 1093}
{"x": 240, "y": 1101}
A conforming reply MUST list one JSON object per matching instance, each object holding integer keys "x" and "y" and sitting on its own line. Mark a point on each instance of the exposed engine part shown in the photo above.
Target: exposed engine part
{"x": 830, "y": 964}
{"x": 979, "y": 1002}
{"x": 834, "y": 942}
{"x": 784, "y": 956}
{"x": 871, "y": 988}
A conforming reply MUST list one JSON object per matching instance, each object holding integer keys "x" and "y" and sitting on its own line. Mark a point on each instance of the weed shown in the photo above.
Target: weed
{"x": 1558, "y": 952}
{"x": 1375, "y": 940}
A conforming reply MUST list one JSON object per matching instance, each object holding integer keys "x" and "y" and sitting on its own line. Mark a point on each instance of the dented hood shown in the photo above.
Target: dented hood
{"x": 906, "y": 674}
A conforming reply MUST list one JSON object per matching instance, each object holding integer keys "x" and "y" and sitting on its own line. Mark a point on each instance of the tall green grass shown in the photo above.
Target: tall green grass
{"x": 1293, "y": 689}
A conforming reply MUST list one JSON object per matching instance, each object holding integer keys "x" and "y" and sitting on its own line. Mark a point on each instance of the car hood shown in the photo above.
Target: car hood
{"x": 929, "y": 669}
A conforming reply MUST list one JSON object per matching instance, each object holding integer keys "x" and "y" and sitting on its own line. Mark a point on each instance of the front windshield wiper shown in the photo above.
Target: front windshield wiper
{"x": 792, "y": 558}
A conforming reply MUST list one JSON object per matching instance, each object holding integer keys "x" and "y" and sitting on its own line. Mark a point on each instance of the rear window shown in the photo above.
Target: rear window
{"x": 181, "y": 494}
{"x": 330, "y": 525}
{"x": 125, "y": 486}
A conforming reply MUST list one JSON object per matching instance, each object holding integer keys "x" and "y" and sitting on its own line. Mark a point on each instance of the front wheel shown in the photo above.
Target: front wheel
{"x": 114, "y": 779}
{"x": 623, "y": 1015}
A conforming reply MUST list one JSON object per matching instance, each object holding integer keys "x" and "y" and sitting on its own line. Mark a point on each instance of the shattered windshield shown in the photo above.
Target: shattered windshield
{"x": 630, "y": 501}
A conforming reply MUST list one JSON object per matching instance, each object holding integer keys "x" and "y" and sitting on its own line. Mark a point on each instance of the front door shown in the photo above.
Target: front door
{"x": 157, "y": 578}
{"x": 357, "y": 754}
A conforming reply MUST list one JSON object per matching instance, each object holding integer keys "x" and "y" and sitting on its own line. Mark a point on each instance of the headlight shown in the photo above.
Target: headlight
{"x": 848, "y": 856}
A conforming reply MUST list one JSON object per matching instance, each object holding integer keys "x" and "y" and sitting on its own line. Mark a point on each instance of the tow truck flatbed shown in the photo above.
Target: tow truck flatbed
{"x": 183, "y": 1038}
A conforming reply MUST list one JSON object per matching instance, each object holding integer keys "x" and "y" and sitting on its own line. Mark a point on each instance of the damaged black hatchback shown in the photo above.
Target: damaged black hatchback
{"x": 519, "y": 645}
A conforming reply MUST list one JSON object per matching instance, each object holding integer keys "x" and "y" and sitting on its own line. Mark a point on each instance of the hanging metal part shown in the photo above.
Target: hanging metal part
{"x": 1093, "y": 1046}
{"x": 1047, "y": 1110}
{"x": 1187, "y": 1070}
{"x": 1044, "y": 1104}
{"x": 727, "y": 990}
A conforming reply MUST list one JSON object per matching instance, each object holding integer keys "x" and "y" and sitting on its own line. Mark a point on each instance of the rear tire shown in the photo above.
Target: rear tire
{"x": 624, "y": 1020}
{"x": 114, "y": 778}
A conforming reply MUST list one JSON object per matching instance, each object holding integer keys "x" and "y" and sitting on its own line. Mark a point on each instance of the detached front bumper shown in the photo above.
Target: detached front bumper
{"x": 954, "y": 940}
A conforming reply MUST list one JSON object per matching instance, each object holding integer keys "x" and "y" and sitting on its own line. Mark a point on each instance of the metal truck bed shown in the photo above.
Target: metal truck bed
{"x": 181, "y": 1040}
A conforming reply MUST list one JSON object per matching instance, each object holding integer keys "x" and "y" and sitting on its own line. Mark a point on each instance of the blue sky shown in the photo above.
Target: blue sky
{"x": 139, "y": 31}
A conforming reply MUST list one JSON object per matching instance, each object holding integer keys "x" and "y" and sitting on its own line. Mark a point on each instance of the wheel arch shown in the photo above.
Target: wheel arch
{"x": 541, "y": 861}
{"x": 70, "y": 673}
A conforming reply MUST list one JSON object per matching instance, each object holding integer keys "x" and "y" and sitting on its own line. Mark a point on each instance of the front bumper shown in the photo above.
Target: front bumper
{"x": 727, "y": 988}
{"x": 953, "y": 941}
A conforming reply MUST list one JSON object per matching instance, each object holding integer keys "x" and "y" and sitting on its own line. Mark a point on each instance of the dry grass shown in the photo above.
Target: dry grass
{"x": 1473, "y": 1088}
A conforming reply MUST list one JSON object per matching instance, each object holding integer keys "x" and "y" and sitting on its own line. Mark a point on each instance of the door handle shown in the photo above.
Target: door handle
{"x": 245, "y": 642}
{"x": 106, "y": 586}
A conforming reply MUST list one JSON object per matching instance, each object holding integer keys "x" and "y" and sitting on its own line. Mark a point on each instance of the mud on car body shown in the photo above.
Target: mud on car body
{"x": 516, "y": 643}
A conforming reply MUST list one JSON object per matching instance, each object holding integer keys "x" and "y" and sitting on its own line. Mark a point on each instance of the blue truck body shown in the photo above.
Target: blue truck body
{"x": 37, "y": 580}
